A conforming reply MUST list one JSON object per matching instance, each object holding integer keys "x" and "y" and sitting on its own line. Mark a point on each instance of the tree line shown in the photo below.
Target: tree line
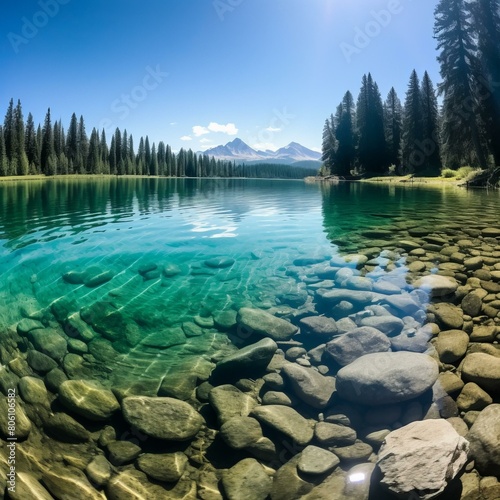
{"x": 418, "y": 136}
{"x": 50, "y": 150}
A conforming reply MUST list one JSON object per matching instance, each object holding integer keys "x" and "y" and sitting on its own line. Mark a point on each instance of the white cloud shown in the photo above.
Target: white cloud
{"x": 199, "y": 130}
{"x": 229, "y": 128}
{"x": 205, "y": 140}
{"x": 273, "y": 129}
{"x": 173, "y": 123}
{"x": 186, "y": 138}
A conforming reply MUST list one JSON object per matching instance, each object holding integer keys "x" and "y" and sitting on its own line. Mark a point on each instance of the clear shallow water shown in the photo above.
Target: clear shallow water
{"x": 121, "y": 226}
{"x": 50, "y": 228}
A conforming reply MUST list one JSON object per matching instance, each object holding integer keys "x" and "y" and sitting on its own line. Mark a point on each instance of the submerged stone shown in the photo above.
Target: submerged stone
{"x": 165, "y": 339}
{"x": 250, "y": 360}
{"x": 162, "y": 418}
{"x": 167, "y": 467}
{"x": 220, "y": 262}
{"x": 387, "y": 378}
{"x": 436, "y": 285}
{"x": 265, "y": 324}
{"x": 319, "y": 325}
{"x": 88, "y": 399}
{"x": 247, "y": 480}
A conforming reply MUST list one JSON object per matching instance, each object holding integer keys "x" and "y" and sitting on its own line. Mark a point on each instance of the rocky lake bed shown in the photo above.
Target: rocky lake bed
{"x": 373, "y": 374}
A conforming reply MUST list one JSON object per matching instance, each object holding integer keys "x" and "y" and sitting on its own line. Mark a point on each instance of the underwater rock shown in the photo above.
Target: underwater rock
{"x": 484, "y": 438}
{"x": 228, "y": 402}
{"x": 483, "y": 369}
{"x": 318, "y": 325}
{"x": 265, "y": 324}
{"x": 248, "y": 361}
{"x": 64, "y": 428}
{"x": 88, "y": 399}
{"x": 247, "y": 479}
{"x": 356, "y": 343}
{"x": 285, "y": 420}
{"x": 162, "y": 418}
{"x": 315, "y": 460}
{"x": 167, "y": 467}
{"x": 220, "y": 262}
{"x": 309, "y": 385}
{"x": 386, "y": 378}
{"x": 436, "y": 285}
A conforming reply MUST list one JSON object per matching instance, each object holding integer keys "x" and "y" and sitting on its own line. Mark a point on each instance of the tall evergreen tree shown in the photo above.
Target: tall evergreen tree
{"x": 329, "y": 146}
{"x": 153, "y": 166}
{"x": 47, "y": 160}
{"x": 131, "y": 156}
{"x": 94, "y": 161}
{"x": 10, "y": 137}
{"x": 104, "y": 154}
{"x": 72, "y": 149}
{"x": 31, "y": 145}
{"x": 413, "y": 129}
{"x": 113, "y": 165}
{"x": 147, "y": 156}
{"x": 461, "y": 129}
{"x": 372, "y": 151}
{"x": 393, "y": 120}
{"x": 3, "y": 156}
{"x": 431, "y": 144}
{"x": 486, "y": 26}
{"x": 83, "y": 147}
{"x": 141, "y": 158}
{"x": 345, "y": 156}
{"x": 20, "y": 152}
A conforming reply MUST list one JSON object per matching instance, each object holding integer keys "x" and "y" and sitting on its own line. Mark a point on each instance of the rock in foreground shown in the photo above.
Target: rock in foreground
{"x": 265, "y": 324}
{"x": 420, "y": 459}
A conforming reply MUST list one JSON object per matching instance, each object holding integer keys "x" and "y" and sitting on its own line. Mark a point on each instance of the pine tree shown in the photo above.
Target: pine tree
{"x": 393, "y": 120}
{"x": 83, "y": 147}
{"x": 147, "y": 156}
{"x": 431, "y": 144}
{"x": 153, "y": 166}
{"x": 104, "y": 154}
{"x": 10, "y": 138}
{"x": 372, "y": 152}
{"x": 486, "y": 24}
{"x": 461, "y": 129}
{"x": 113, "y": 166}
{"x": 31, "y": 145}
{"x": 72, "y": 150}
{"x": 3, "y": 156}
{"x": 413, "y": 131}
{"x": 162, "y": 158}
{"x": 20, "y": 152}
{"x": 47, "y": 160}
{"x": 131, "y": 156}
{"x": 93, "y": 162}
{"x": 345, "y": 156}
{"x": 329, "y": 145}
{"x": 141, "y": 157}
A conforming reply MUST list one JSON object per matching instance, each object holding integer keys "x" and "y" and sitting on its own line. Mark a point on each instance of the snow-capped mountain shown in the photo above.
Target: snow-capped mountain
{"x": 239, "y": 151}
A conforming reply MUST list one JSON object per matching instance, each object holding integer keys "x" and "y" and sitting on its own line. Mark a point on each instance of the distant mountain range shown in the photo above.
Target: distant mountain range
{"x": 239, "y": 151}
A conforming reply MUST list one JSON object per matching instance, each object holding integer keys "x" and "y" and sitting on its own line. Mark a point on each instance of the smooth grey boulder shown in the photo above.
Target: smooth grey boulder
{"x": 356, "y": 343}
{"x": 421, "y": 458}
{"x": 436, "y": 285}
{"x": 247, "y": 480}
{"x": 309, "y": 385}
{"x": 318, "y": 325}
{"x": 265, "y": 324}
{"x": 88, "y": 399}
{"x": 286, "y": 420}
{"x": 483, "y": 369}
{"x": 248, "y": 361}
{"x": 162, "y": 418}
{"x": 386, "y": 378}
{"x": 484, "y": 438}
{"x": 388, "y": 324}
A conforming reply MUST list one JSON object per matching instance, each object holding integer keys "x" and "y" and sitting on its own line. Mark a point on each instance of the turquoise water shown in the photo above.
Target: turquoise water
{"x": 127, "y": 231}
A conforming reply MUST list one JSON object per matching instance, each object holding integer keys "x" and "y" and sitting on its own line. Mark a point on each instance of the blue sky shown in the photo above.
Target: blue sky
{"x": 198, "y": 73}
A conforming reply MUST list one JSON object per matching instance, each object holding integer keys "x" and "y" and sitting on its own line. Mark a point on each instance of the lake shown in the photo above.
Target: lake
{"x": 124, "y": 302}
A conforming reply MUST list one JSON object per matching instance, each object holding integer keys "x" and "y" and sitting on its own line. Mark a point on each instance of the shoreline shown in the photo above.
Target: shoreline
{"x": 395, "y": 180}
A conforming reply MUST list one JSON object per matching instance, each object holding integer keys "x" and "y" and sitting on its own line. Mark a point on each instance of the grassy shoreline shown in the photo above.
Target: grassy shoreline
{"x": 407, "y": 180}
